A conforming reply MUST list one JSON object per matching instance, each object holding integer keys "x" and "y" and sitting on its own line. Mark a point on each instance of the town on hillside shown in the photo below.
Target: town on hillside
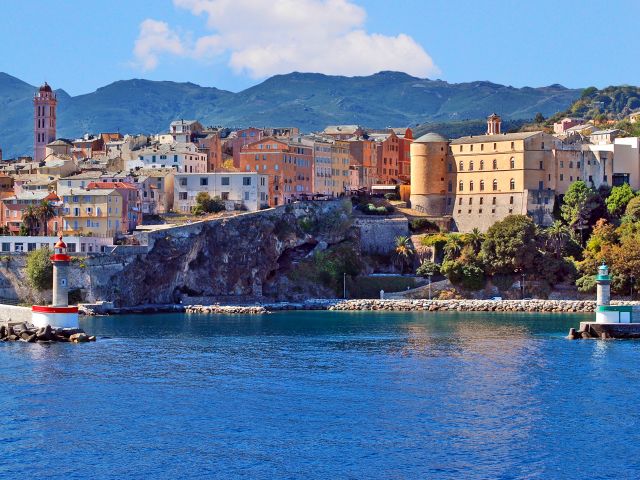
{"x": 106, "y": 185}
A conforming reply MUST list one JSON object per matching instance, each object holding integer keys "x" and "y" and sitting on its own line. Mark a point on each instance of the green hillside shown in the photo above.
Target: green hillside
{"x": 307, "y": 100}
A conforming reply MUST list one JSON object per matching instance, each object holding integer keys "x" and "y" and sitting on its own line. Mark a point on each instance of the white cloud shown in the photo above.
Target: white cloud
{"x": 154, "y": 39}
{"x": 267, "y": 37}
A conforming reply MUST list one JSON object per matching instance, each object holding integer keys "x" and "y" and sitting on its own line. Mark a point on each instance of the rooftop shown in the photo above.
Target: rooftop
{"x": 430, "y": 137}
{"x": 503, "y": 137}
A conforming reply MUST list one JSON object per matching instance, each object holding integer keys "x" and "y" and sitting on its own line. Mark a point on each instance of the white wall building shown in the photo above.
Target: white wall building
{"x": 626, "y": 166}
{"x": 182, "y": 130}
{"x": 236, "y": 189}
{"x": 183, "y": 157}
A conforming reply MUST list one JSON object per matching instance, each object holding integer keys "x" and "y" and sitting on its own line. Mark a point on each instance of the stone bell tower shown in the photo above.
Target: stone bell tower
{"x": 44, "y": 120}
{"x": 494, "y": 122}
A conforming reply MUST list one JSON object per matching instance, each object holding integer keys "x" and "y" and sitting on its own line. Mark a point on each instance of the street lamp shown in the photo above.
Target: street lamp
{"x": 522, "y": 285}
{"x": 429, "y": 275}
{"x": 344, "y": 285}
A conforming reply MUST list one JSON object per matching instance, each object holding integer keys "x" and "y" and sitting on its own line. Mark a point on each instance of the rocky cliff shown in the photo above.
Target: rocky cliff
{"x": 234, "y": 258}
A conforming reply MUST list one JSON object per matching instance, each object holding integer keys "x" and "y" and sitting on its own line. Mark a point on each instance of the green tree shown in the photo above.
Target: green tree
{"x": 453, "y": 247}
{"x": 206, "y": 204}
{"x": 45, "y": 211}
{"x": 39, "y": 269}
{"x": 510, "y": 245}
{"x": 556, "y": 238}
{"x": 582, "y": 207}
{"x": 29, "y": 220}
{"x": 427, "y": 268}
{"x": 475, "y": 239}
{"x": 632, "y": 212}
{"x": 539, "y": 118}
{"x": 404, "y": 251}
{"x": 618, "y": 199}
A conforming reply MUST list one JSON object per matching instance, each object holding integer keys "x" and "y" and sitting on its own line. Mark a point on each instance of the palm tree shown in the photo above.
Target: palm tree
{"x": 557, "y": 237}
{"x": 29, "y": 219}
{"x": 453, "y": 247}
{"x": 475, "y": 239}
{"x": 404, "y": 250}
{"x": 45, "y": 211}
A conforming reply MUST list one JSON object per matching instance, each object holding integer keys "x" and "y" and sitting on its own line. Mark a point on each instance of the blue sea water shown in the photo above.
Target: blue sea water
{"x": 322, "y": 395}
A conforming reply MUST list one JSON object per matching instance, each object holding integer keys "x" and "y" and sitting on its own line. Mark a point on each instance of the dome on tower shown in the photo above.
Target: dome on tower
{"x": 60, "y": 243}
{"x": 431, "y": 138}
{"x": 45, "y": 88}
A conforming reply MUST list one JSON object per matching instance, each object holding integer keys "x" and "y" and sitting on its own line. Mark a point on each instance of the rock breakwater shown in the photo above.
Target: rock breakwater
{"x": 46, "y": 334}
{"x": 558, "y": 306}
{"x": 227, "y": 309}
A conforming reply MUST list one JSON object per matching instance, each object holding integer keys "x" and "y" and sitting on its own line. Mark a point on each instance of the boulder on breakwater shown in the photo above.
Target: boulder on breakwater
{"x": 46, "y": 334}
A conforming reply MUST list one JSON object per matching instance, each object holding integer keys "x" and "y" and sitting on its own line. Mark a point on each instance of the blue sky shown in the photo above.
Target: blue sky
{"x": 79, "y": 46}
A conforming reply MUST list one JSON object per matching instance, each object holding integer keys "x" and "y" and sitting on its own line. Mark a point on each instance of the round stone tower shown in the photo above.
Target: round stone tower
{"x": 429, "y": 174}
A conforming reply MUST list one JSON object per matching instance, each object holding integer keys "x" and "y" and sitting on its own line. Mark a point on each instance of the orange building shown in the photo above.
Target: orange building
{"x": 404, "y": 155}
{"x": 387, "y": 157}
{"x": 13, "y": 207}
{"x": 211, "y": 145}
{"x": 364, "y": 159}
{"x": 267, "y": 156}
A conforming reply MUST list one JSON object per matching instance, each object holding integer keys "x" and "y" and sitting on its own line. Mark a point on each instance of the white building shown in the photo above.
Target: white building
{"x": 237, "y": 189}
{"x": 626, "y": 155}
{"x": 183, "y": 157}
{"x": 183, "y": 130}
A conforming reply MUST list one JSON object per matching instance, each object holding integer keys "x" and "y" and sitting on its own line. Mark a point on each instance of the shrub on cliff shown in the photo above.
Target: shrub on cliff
{"x": 206, "y": 204}
{"x": 39, "y": 269}
{"x": 510, "y": 245}
{"x": 428, "y": 268}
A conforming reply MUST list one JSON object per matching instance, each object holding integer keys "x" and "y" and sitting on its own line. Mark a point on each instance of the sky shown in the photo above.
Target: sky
{"x": 80, "y": 46}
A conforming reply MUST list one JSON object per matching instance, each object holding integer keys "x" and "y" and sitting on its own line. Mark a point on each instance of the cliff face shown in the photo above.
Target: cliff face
{"x": 232, "y": 258}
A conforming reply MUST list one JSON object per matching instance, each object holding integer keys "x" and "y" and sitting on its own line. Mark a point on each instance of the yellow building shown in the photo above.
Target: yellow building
{"x": 479, "y": 180}
{"x": 340, "y": 159}
{"x": 96, "y": 212}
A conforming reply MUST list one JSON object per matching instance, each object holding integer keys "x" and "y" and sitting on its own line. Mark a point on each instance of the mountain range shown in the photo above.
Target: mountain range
{"x": 310, "y": 101}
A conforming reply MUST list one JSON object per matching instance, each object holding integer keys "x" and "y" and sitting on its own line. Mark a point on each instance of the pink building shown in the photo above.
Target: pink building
{"x": 565, "y": 124}
{"x": 44, "y": 120}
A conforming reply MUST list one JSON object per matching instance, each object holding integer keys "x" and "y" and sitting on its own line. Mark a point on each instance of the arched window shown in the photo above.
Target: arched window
{"x": 513, "y": 162}
{"x": 460, "y": 186}
{"x": 495, "y": 184}
{"x": 471, "y": 165}
{"x": 450, "y": 186}
{"x": 512, "y": 184}
{"x": 481, "y": 185}
{"x": 495, "y": 164}
{"x": 460, "y": 166}
{"x": 471, "y": 186}
{"x": 481, "y": 164}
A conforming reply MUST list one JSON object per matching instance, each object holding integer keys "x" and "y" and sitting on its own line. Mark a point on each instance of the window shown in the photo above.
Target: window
{"x": 481, "y": 185}
{"x": 460, "y": 186}
{"x": 6, "y": 247}
{"x": 493, "y": 201}
{"x": 224, "y": 181}
{"x": 183, "y": 182}
{"x": 450, "y": 167}
{"x": 577, "y": 164}
{"x": 450, "y": 186}
{"x": 561, "y": 177}
{"x": 481, "y": 164}
{"x": 540, "y": 185}
{"x": 182, "y": 195}
{"x": 513, "y": 145}
{"x": 495, "y": 185}
{"x": 460, "y": 147}
{"x": 542, "y": 146}
{"x": 471, "y": 165}
{"x": 481, "y": 200}
{"x": 460, "y": 166}
{"x": 570, "y": 164}
{"x": 512, "y": 163}
{"x": 495, "y": 164}
{"x": 510, "y": 200}
{"x": 470, "y": 200}
{"x": 541, "y": 165}
{"x": 471, "y": 148}
{"x": 460, "y": 201}
{"x": 471, "y": 186}
{"x": 204, "y": 181}
{"x": 224, "y": 195}
{"x": 481, "y": 146}
{"x": 246, "y": 181}
{"x": 18, "y": 247}
{"x": 449, "y": 201}
{"x": 246, "y": 195}
{"x": 512, "y": 184}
